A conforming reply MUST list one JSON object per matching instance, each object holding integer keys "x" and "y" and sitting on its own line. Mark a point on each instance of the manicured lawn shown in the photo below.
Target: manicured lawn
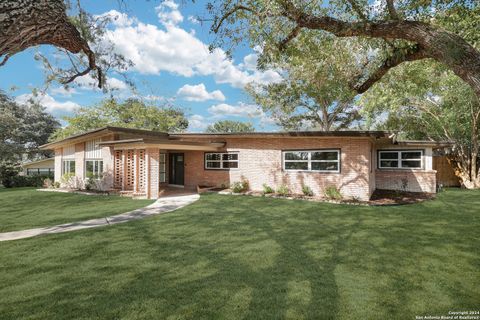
{"x": 230, "y": 257}
{"x": 22, "y": 208}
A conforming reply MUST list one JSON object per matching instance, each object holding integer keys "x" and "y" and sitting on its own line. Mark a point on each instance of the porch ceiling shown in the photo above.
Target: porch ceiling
{"x": 142, "y": 143}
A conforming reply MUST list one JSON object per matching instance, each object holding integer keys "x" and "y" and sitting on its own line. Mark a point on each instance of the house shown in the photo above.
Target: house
{"x": 144, "y": 162}
{"x": 44, "y": 167}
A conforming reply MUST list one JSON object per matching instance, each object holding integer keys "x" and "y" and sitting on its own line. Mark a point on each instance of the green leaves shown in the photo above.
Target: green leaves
{"x": 229, "y": 126}
{"x": 132, "y": 113}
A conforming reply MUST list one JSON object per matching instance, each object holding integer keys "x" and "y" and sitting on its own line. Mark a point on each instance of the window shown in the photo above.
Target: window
{"x": 68, "y": 166}
{"x": 93, "y": 169}
{"x": 402, "y": 159}
{"x": 39, "y": 171}
{"x": 219, "y": 161}
{"x": 162, "y": 164}
{"x": 316, "y": 160}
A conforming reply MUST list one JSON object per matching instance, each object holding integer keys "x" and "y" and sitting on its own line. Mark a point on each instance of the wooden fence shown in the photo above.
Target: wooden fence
{"x": 445, "y": 172}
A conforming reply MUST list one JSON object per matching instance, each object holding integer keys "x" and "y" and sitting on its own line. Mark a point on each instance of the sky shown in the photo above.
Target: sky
{"x": 169, "y": 49}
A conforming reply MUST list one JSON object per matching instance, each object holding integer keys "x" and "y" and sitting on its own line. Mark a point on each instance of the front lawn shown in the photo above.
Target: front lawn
{"x": 23, "y": 208}
{"x": 235, "y": 257}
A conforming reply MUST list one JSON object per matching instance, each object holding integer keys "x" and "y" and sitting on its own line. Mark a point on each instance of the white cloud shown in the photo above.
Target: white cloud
{"x": 168, "y": 13}
{"x": 197, "y": 123}
{"x": 199, "y": 93}
{"x": 88, "y": 82}
{"x": 48, "y": 102}
{"x": 62, "y": 91}
{"x": 193, "y": 19}
{"x": 239, "y": 110}
{"x": 173, "y": 49}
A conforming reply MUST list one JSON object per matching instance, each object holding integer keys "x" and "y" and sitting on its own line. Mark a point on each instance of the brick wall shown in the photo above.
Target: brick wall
{"x": 152, "y": 168}
{"x": 406, "y": 180}
{"x": 260, "y": 161}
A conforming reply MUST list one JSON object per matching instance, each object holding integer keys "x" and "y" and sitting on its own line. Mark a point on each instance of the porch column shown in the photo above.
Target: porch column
{"x": 152, "y": 185}
{"x": 135, "y": 171}
{"x": 124, "y": 167}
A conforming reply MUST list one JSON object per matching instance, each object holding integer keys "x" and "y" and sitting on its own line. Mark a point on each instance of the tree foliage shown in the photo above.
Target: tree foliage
{"x": 229, "y": 126}
{"x": 23, "y": 128}
{"x": 396, "y": 31}
{"x": 424, "y": 100}
{"x": 132, "y": 113}
{"x": 314, "y": 92}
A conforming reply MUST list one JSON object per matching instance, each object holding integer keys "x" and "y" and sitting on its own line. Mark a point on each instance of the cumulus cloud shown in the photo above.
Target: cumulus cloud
{"x": 199, "y": 93}
{"x": 172, "y": 49}
{"x": 239, "y": 110}
{"x": 88, "y": 82}
{"x": 62, "y": 91}
{"x": 48, "y": 102}
{"x": 197, "y": 123}
{"x": 193, "y": 19}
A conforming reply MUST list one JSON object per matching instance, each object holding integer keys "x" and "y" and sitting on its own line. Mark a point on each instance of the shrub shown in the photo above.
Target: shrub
{"x": 56, "y": 184}
{"x": 69, "y": 181}
{"x": 332, "y": 192}
{"x": 267, "y": 189}
{"x": 283, "y": 190}
{"x": 24, "y": 181}
{"x": 240, "y": 186}
{"x": 48, "y": 183}
{"x": 307, "y": 191}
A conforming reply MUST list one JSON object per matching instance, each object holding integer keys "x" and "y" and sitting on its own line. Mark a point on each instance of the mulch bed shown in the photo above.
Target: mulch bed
{"x": 379, "y": 197}
{"x": 390, "y": 197}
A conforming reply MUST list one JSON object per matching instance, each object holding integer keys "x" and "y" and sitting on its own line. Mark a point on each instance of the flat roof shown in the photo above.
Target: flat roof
{"x": 346, "y": 133}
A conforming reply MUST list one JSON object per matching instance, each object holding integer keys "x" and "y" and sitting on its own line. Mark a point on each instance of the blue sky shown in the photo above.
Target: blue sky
{"x": 169, "y": 49}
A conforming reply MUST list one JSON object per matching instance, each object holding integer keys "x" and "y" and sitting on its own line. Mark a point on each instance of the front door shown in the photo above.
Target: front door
{"x": 176, "y": 169}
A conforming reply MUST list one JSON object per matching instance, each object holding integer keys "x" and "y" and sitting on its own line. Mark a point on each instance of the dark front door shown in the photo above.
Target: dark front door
{"x": 177, "y": 169}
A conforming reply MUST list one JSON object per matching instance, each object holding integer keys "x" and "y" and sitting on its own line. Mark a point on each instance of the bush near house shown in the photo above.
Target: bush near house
{"x": 307, "y": 191}
{"x": 240, "y": 186}
{"x": 333, "y": 193}
{"x": 267, "y": 189}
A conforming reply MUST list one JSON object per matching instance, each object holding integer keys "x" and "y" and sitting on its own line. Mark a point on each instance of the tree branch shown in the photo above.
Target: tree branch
{"x": 398, "y": 57}
{"x": 236, "y": 8}
{"x": 293, "y": 34}
{"x": 391, "y": 10}
{"x": 358, "y": 10}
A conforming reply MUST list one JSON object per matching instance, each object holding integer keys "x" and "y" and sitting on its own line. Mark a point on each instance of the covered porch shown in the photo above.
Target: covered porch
{"x": 152, "y": 168}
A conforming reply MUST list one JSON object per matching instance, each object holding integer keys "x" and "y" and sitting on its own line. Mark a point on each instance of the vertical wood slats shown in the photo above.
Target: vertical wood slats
{"x": 118, "y": 170}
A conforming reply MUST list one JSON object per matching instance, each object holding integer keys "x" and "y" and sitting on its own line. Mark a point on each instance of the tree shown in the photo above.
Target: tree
{"x": 398, "y": 32}
{"x": 78, "y": 37}
{"x": 229, "y": 126}
{"x": 23, "y": 128}
{"x": 424, "y": 100}
{"x": 132, "y": 113}
{"x": 314, "y": 92}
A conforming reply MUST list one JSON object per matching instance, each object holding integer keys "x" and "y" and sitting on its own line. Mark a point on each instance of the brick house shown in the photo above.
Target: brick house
{"x": 144, "y": 162}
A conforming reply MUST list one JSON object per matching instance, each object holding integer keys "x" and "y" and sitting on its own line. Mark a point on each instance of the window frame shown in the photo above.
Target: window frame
{"x": 221, "y": 161}
{"x": 399, "y": 159}
{"x": 162, "y": 165}
{"x": 309, "y": 160}
{"x": 64, "y": 164}
{"x": 99, "y": 175}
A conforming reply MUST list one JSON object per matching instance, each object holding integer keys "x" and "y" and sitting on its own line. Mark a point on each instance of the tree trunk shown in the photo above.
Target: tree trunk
{"x": 28, "y": 23}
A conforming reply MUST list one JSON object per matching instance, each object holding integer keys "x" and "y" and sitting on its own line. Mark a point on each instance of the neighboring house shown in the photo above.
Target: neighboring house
{"x": 39, "y": 167}
{"x": 143, "y": 162}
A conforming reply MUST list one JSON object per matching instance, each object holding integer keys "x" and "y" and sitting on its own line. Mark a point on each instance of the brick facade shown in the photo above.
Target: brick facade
{"x": 406, "y": 180}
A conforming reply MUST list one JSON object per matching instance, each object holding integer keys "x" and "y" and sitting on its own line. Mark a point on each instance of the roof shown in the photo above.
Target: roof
{"x": 163, "y": 143}
{"x": 37, "y": 161}
{"x": 293, "y": 134}
{"x": 103, "y": 131}
{"x": 429, "y": 143}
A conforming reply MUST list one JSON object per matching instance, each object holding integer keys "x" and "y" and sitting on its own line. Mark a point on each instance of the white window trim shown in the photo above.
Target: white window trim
{"x": 162, "y": 164}
{"x": 220, "y": 161}
{"x": 309, "y": 160}
{"x": 399, "y": 159}
{"x": 94, "y": 167}
{"x": 64, "y": 162}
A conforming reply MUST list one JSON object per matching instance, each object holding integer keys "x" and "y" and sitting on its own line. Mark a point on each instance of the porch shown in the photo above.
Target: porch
{"x": 151, "y": 169}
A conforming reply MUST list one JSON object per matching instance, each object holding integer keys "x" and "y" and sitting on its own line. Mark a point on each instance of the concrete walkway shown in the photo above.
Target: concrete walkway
{"x": 162, "y": 205}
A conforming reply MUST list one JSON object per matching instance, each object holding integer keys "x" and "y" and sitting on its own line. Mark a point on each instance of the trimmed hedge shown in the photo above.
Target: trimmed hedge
{"x": 24, "y": 181}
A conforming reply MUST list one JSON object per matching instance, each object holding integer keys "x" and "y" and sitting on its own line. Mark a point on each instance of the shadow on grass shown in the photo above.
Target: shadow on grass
{"x": 254, "y": 258}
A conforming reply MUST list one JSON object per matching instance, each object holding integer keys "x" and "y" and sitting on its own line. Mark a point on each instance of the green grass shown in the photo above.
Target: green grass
{"x": 231, "y": 257}
{"x": 22, "y": 208}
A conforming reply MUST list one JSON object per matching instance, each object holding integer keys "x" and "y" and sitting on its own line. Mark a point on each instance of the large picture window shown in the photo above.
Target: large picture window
{"x": 93, "y": 169}
{"x": 400, "y": 159}
{"x": 221, "y": 161}
{"x": 312, "y": 160}
{"x": 68, "y": 167}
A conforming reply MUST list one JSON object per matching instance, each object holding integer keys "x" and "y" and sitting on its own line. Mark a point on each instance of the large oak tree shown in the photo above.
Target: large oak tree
{"x": 398, "y": 31}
